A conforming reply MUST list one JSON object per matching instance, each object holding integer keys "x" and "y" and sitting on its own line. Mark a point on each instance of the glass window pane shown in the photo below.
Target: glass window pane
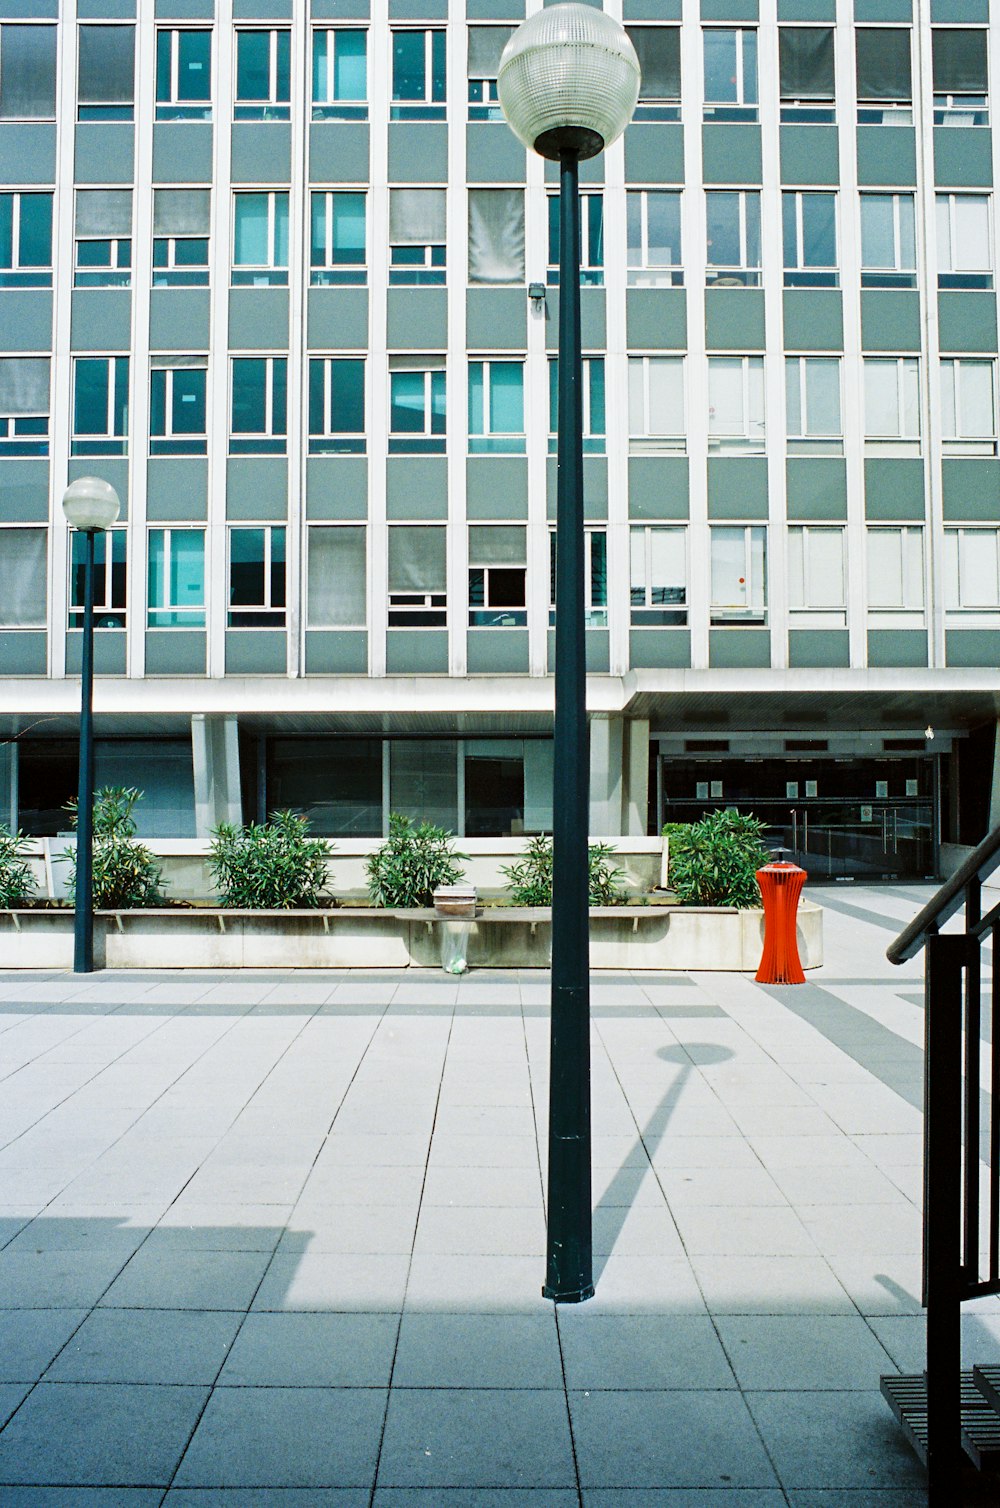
{"x": 506, "y": 397}
{"x": 878, "y": 231}
{"x": 806, "y": 62}
{"x": 595, "y": 373}
{"x": 972, "y": 232}
{"x": 157, "y": 559}
{"x": 249, "y": 395}
{"x": 246, "y": 567}
{"x": 90, "y": 400}
{"x": 663, "y": 229}
{"x": 959, "y": 60}
{"x": 348, "y": 227}
{"x": 36, "y": 230}
{"x": 666, "y": 396}
{"x": 253, "y": 65}
{"x": 321, "y": 41}
{"x": 27, "y": 72}
{"x": 336, "y": 587}
{"x": 885, "y": 568}
{"x": 883, "y": 63}
{"x": 187, "y": 568}
{"x": 496, "y": 235}
{"x": 819, "y": 231}
{"x": 724, "y": 229}
{"x": 6, "y": 230}
{"x": 477, "y": 409}
{"x": 725, "y": 396}
{"x": 826, "y": 568}
{"x": 347, "y": 397}
{"x": 189, "y": 401}
{"x": 350, "y": 81}
{"x": 407, "y": 402}
{"x": 408, "y": 65}
{"x": 790, "y": 228}
{"x": 659, "y": 52}
{"x": 194, "y": 65}
{"x": 250, "y": 240}
{"x": 729, "y": 584}
{"x": 976, "y": 397}
{"x": 980, "y": 583}
{"x": 793, "y": 395}
{"x": 720, "y": 65}
{"x": 823, "y": 388}
{"x": 23, "y": 593}
{"x": 881, "y": 398}
{"x": 106, "y": 65}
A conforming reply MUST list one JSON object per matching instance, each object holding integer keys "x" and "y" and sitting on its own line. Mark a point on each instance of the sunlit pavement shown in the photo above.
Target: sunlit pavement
{"x": 278, "y": 1238}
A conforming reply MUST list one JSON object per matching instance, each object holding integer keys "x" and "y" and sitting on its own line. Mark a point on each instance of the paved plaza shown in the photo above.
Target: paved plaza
{"x": 278, "y": 1238}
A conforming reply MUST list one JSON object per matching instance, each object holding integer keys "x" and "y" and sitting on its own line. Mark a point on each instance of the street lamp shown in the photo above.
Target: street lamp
{"x": 568, "y": 83}
{"x": 90, "y": 505}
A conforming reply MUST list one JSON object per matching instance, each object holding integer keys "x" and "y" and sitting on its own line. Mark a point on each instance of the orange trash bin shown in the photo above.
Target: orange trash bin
{"x": 780, "y": 888}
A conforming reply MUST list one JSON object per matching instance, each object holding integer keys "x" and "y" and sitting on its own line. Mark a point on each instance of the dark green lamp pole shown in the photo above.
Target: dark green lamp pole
{"x": 568, "y": 83}
{"x": 91, "y": 506}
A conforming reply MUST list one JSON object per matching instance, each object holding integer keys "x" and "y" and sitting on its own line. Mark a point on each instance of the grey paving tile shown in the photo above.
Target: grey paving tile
{"x": 641, "y": 1351}
{"x": 82, "y": 1497}
{"x": 491, "y": 1285}
{"x": 770, "y": 1285}
{"x": 835, "y": 1440}
{"x": 270, "y": 1497}
{"x": 312, "y": 1350}
{"x": 147, "y": 1345}
{"x": 61, "y": 1279}
{"x": 485, "y": 1438}
{"x": 645, "y": 1284}
{"x": 667, "y": 1439}
{"x": 762, "y": 1232}
{"x": 334, "y": 1281}
{"x": 685, "y": 1497}
{"x": 11, "y": 1395}
{"x": 29, "y": 1338}
{"x": 803, "y": 1352}
{"x": 474, "y": 1497}
{"x": 478, "y": 1351}
{"x": 99, "y": 1434}
{"x": 503, "y": 1232}
{"x": 285, "y": 1437}
{"x": 188, "y": 1280}
{"x": 866, "y": 1498}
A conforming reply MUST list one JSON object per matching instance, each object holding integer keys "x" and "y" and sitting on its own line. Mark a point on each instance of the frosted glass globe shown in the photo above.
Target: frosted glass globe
{"x": 90, "y": 503}
{"x": 568, "y": 77}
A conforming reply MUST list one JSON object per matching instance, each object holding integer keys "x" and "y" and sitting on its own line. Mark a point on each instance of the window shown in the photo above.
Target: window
{"x": 812, "y": 405}
{"x": 496, "y": 235}
{"x": 591, "y": 238}
{"x": 100, "y": 406}
{"x": 730, "y": 73}
{"x": 340, "y": 74}
{"x": 960, "y": 76}
{"x": 885, "y": 90}
{"x": 336, "y": 594}
{"x": 972, "y": 570}
{"x": 180, "y": 237}
{"x": 338, "y": 247}
{"x": 260, "y": 239}
{"x": 817, "y": 590}
{"x": 25, "y": 240}
{"x": 177, "y": 406}
{"x": 23, "y": 579}
{"x": 418, "y": 75}
{"x": 486, "y": 43}
{"x": 658, "y": 576}
{"x": 594, "y": 422}
{"x": 183, "y": 74}
{"x": 805, "y": 58}
{"x": 263, "y": 75}
{"x": 260, "y": 406}
{"x": 416, "y": 235}
{"x": 892, "y": 404}
{"x": 27, "y": 72}
{"x": 595, "y": 578}
{"x": 336, "y": 405}
{"x": 965, "y": 257}
{"x": 103, "y": 238}
{"x": 809, "y": 234}
{"x": 888, "y": 241}
{"x": 257, "y": 577}
{"x": 498, "y": 565}
{"x": 417, "y": 576}
{"x": 739, "y": 573}
{"x": 24, "y": 405}
{"x": 733, "y": 226}
{"x": 656, "y": 403}
{"x": 896, "y": 569}
{"x": 659, "y": 51}
{"x": 496, "y": 407}
{"x": 176, "y": 578}
{"x": 735, "y": 403}
{"x": 653, "y": 229}
{"x": 109, "y": 578}
{"x": 968, "y": 406}
{"x": 416, "y": 405}
{"x": 106, "y": 73}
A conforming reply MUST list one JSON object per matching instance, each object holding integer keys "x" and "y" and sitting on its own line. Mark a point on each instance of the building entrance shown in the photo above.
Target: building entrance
{"x": 841, "y": 819}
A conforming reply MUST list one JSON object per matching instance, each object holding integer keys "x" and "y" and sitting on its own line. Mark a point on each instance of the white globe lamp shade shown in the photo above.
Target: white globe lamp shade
{"x": 568, "y": 80}
{"x": 90, "y": 503}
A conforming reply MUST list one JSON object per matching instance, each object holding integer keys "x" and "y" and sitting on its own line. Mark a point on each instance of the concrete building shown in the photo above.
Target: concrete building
{"x": 280, "y": 272}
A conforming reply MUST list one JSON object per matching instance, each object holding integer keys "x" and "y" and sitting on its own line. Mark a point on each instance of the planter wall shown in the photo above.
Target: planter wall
{"x": 621, "y": 937}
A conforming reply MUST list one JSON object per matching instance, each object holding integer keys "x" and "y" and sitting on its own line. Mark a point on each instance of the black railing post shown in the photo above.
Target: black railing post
{"x": 947, "y": 957}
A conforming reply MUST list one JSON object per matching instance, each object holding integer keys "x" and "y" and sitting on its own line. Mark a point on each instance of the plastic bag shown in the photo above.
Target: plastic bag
{"x": 455, "y": 946}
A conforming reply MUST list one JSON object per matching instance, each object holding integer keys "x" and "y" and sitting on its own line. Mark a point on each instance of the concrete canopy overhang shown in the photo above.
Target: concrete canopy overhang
{"x": 511, "y": 706}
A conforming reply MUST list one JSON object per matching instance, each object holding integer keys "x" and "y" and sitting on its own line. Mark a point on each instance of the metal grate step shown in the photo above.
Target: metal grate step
{"x": 907, "y": 1397}
{"x": 987, "y": 1380}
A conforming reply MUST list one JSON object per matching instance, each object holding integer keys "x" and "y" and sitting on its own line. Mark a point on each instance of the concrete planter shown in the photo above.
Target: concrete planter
{"x": 621, "y": 937}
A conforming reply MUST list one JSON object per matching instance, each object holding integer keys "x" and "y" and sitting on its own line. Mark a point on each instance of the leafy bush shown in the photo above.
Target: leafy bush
{"x": 17, "y": 884}
{"x": 269, "y": 866}
{"x": 126, "y": 875}
{"x": 530, "y": 878}
{"x": 413, "y": 861}
{"x": 715, "y": 862}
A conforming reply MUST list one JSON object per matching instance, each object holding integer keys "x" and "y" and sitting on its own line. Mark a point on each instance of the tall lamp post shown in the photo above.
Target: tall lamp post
{"x": 568, "y": 83}
{"x": 91, "y": 506}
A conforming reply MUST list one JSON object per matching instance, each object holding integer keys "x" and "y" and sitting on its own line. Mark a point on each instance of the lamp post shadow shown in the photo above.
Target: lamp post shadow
{"x": 617, "y": 1197}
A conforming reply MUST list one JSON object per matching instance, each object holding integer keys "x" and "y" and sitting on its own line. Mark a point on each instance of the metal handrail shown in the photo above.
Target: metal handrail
{"x": 982, "y": 861}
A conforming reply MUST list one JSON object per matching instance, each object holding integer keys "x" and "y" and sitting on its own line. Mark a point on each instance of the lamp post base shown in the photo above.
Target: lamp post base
{"x": 577, "y": 1296}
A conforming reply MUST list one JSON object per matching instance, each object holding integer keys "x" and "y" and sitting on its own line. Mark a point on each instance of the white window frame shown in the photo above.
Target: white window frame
{"x": 247, "y": 437}
{"x": 797, "y": 273}
{"x": 332, "y": 108}
{"x": 272, "y": 273}
{"x": 805, "y": 605}
{"x": 276, "y": 614}
{"x": 644, "y": 439}
{"x": 909, "y": 605}
{"x": 196, "y": 614}
{"x": 719, "y": 274}
{"x": 896, "y": 276}
{"x": 747, "y": 441}
{"x": 725, "y": 614}
{"x": 405, "y": 609}
{"x": 271, "y": 108}
{"x": 331, "y": 273}
{"x": 160, "y": 364}
{"x": 19, "y": 275}
{"x": 594, "y": 441}
{"x": 961, "y": 442}
{"x": 423, "y": 441}
{"x": 595, "y": 613}
{"x": 906, "y": 367}
{"x": 591, "y": 272}
{"x": 741, "y": 108}
{"x": 40, "y": 603}
{"x": 810, "y": 441}
{"x": 108, "y": 439}
{"x": 646, "y": 273}
{"x": 424, "y": 107}
{"x": 115, "y": 541}
{"x": 495, "y": 441}
{"x": 192, "y": 109}
{"x": 350, "y": 441}
{"x": 117, "y": 273}
{"x": 170, "y": 276}
{"x": 950, "y": 241}
{"x": 959, "y": 599}
{"x": 650, "y": 613}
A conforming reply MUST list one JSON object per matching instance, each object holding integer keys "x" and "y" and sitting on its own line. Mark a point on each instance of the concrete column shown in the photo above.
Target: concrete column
{"x": 606, "y": 776}
{"x": 216, "y": 756}
{"x": 636, "y": 776}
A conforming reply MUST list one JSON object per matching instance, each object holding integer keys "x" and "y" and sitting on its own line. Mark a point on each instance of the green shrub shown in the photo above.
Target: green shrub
{"x": 413, "y": 861}
{"x": 17, "y": 884}
{"x": 715, "y": 862}
{"x": 530, "y": 878}
{"x": 269, "y": 866}
{"x": 126, "y": 875}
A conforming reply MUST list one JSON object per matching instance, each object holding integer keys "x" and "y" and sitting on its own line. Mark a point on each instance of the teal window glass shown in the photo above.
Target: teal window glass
{"x": 100, "y": 405}
{"x": 27, "y": 72}
{"x": 183, "y": 73}
{"x": 418, "y": 75}
{"x": 257, "y": 577}
{"x": 496, "y": 406}
{"x": 730, "y": 72}
{"x": 177, "y": 410}
{"x": 809, "y": 233}
{"x": 176, "y": 578}
{"x": 340, "y": 74}
{"x": 416, "y": 410}
{"x": 263, "y": 75}
{"x": 591, "y": 239}
{"x": 653, "y": 234}
{"x": 259, "y": 405}
{"x": 109, "y": 578}
{"x": 260, "y": 239}
{"x": 194, "y": 67}
{"x": 338, "y": 238}
{"x": 350, "y": 68}
{"x": 888, "y": 241}
{"x": 25, "y": 240}
{"x": 594, "y": 421}
{"x": 336, "y": 405}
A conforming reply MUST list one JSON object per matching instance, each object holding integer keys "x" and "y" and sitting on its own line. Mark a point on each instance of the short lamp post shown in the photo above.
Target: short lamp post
{"x": 91, "y": 506}
{"x": 568, "y": 83}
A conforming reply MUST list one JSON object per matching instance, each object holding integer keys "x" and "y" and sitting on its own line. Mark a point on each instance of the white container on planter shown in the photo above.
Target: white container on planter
{"x": 455, "y": 901}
